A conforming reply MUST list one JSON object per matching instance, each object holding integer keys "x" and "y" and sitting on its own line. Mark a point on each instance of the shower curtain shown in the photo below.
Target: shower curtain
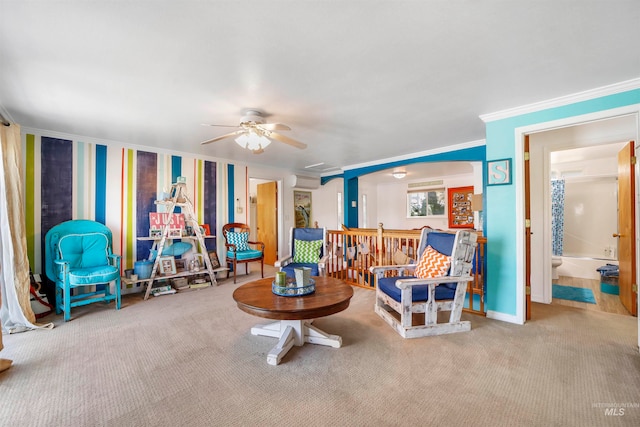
{"x": 557, "y": 215}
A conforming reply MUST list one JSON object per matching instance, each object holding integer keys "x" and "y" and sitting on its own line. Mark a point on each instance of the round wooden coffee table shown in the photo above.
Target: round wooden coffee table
{"x": 294, "y": 314}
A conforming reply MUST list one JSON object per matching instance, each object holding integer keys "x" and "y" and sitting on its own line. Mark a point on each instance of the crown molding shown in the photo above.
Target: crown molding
{"x": 563, "y": 100}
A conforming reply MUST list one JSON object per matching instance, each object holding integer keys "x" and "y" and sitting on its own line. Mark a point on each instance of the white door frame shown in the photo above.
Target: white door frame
{"x": 519, "y": 135}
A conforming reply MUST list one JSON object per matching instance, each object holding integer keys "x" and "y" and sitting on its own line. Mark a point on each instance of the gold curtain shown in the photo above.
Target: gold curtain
{"x": 1, "y": 346}
{"x": 12, "y": 170}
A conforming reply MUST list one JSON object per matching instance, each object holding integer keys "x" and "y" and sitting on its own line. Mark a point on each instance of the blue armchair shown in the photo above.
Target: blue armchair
{"x": 437, "y": 282}
{"x": 307, "y": 250}
{"x": 78, "y": 253}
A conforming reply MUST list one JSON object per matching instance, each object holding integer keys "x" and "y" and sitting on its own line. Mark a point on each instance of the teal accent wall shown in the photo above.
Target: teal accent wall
{"x": 351, "y": 196}
{"x": 500, "y": 201}
{"x": 231, "y": 192}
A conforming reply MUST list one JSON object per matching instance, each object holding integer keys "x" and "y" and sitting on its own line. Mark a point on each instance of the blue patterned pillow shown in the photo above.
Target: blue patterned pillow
{"x": 306, "y": 251}
{"x": 239, "y": 239}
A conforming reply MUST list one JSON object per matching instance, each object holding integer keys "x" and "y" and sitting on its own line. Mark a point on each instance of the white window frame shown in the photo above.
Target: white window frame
{"x": 425, "y": 195}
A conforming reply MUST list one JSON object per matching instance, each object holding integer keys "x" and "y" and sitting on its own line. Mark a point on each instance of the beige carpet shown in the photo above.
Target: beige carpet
{"x": 189, "y": 360}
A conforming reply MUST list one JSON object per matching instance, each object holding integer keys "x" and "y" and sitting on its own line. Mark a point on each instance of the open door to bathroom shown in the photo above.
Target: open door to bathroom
{"x": 626, "y": 228}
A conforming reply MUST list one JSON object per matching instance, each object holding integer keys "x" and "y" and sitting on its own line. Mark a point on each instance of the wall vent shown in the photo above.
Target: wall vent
{"x": 425, "y": 184}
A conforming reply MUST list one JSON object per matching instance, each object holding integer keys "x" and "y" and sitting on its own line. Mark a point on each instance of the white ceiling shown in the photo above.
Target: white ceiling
{"x": 356, "y": 81}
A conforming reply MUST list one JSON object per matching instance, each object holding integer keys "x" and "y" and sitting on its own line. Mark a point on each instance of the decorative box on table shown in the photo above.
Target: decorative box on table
{"x": 291, "y": 289}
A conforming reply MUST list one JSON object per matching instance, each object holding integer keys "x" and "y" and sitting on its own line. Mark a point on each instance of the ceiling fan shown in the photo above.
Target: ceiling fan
{"x": 254, "y": 134}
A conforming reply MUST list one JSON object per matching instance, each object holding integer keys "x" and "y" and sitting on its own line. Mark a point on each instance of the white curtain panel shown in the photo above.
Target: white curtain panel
{"x": 16, "y": 314}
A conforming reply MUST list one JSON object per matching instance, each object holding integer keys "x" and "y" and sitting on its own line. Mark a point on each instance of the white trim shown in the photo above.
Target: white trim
{"x": 563, "y": 100}
{"x": 509, "y": 318}
{"x": 518, "y": 178}
{"x": 439, "y": 150}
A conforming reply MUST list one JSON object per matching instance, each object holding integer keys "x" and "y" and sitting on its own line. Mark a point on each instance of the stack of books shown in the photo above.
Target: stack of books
{"x": 200, "y": 283}
{"x": 180, "y": 284}
{"x": 162, "y": 290}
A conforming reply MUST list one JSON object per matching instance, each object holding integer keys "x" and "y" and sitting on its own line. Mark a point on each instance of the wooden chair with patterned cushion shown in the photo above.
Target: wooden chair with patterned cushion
{"x": 307, "y": 250}
{"x": 437, "y": 282}
{"x": 239, "y": 248}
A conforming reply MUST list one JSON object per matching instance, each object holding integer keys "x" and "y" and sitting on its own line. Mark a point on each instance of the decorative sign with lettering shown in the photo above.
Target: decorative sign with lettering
{"x": 499, "y": 172}
{"x": 160, "y": 220}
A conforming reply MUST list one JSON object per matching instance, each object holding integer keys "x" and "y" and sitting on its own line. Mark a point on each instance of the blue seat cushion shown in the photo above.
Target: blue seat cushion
{"x": 92, "y": 275}
{"x": 419, "y": 293}
{"x": 288, "y": 269}
{"x": 245, "y": 255}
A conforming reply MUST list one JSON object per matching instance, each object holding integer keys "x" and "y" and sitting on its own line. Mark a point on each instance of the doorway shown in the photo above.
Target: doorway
{"x": 581, "y": 146}
{"x": 264, "y": 213}
{"x": 584, "y": 221}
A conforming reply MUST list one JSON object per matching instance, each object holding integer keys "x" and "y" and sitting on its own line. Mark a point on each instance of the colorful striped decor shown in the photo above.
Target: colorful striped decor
{"x": 67, "y": 179}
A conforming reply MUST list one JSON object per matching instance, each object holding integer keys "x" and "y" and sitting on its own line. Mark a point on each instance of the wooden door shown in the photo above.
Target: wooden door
{"x": 267, "y": 220}
{"x": 626, "y": 229}
{"x": 527, "y": 230}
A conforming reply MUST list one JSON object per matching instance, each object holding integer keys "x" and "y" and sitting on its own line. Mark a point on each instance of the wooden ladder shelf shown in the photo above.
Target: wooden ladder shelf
{"x": 178, "y": 198}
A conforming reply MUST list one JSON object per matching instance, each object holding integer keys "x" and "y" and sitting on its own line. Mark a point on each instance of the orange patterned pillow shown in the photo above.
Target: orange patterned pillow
{"x": 432, "y": 264}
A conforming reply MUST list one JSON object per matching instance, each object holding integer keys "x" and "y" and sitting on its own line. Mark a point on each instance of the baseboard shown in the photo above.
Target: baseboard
{"x": 495, "y": 315}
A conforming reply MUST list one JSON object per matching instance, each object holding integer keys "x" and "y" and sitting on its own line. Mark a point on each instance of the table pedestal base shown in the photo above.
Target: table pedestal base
{"x": 293, "y": 332}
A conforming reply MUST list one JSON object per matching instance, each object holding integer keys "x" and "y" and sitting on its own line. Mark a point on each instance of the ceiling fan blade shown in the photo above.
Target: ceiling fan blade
{"x": 228, "y": 135}
{"x": 258, "y": 151}
{"x": 273, "y": 126}
{"x": 222, "y": 126}
{"x": 287, "y": 140}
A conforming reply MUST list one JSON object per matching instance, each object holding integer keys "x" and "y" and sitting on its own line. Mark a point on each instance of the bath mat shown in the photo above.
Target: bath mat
{"x": 573, "y": 294}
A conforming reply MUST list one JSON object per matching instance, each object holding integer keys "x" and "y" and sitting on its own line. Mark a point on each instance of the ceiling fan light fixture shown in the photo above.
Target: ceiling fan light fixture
{"x": 399, "y": 174}
{"x": 252, "y": 141}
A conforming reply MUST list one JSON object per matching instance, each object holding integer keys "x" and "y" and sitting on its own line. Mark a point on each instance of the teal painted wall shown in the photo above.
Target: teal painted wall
{"x": 500, "y": 201}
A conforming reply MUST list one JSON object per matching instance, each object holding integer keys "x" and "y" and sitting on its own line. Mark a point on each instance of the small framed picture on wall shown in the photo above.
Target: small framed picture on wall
{"x": 302, "y": 208}
{"x": 499, "y": 172}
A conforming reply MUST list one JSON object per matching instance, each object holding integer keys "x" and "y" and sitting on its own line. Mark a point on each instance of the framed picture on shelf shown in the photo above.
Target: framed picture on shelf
{"x": 206, "y": 231}
{"x": 167, "y": 265}
{"x": 460, "y": 212}
{"x": 199, "y": 259}
{"x": 215, "y": 262}
{"x": 181, "y": 264}
{"x": 155, "y": 232}
{"x": 175, "y": 233}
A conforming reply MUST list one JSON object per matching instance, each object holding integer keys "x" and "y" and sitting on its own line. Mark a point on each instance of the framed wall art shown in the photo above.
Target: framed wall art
{"x": 302, "y": 208}
{"x": 460, "y": 211}
{"x": 499, "y": 172}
